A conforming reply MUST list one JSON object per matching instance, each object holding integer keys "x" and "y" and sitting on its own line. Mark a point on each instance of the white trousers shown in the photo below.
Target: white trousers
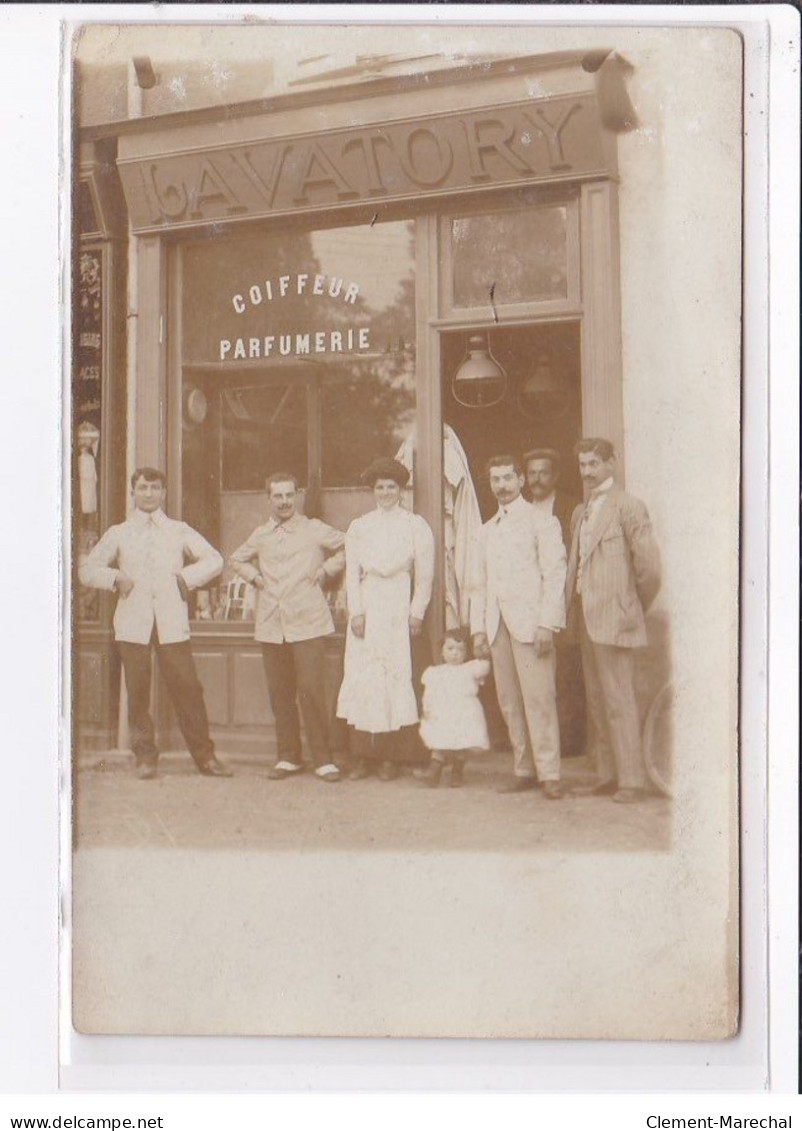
{"x": 525, "y": 685}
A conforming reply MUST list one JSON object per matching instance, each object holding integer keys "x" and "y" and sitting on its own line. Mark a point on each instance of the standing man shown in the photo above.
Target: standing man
{"x": 143, "y": 561}
{"x": 613, "y": 577}
{"x": 542, "y": 468}
{"x": 287, "y": 560}
{"x": 518, "y": 607}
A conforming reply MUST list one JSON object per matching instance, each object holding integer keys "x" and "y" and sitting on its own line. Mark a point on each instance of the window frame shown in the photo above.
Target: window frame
{"x": 449, "y": 314}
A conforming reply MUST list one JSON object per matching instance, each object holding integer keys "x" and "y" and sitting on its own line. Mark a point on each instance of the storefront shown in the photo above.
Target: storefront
{"x": 305, "y": 276}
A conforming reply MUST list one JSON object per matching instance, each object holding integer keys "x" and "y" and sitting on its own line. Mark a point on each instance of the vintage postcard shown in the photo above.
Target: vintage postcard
{"x": 405, "y": 464}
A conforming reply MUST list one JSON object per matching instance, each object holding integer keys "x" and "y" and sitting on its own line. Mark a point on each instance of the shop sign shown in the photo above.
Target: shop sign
{"x": 539, "y": 140}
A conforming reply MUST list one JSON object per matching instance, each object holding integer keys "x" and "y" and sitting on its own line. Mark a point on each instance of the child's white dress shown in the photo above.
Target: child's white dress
{"x": 453, "y": 718}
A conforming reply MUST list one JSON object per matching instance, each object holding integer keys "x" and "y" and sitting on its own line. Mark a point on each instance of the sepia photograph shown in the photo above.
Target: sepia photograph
{"x": 404, "y": 463}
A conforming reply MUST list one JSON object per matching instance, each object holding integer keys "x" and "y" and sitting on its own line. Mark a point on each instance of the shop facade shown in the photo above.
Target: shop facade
{"x": 304, "y": 277}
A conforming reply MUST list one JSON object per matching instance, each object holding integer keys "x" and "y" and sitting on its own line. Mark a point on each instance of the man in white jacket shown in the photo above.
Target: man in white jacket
{"x": 144, "y": 561}
{"x": 518, "y": 606}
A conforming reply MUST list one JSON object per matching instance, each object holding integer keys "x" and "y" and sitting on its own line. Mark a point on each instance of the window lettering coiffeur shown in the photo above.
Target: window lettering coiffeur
{"x": 299, "y": 284}
{"x": 298, "y": 345}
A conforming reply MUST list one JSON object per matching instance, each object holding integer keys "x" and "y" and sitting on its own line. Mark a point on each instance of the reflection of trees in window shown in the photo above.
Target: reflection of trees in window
{"x": 263, "y": 430}
{"x": 214, "y": 273}
{"x": 365, "y": 416}
{"x": 370, "y": 412}
{"x": 344, "y": 409}
{"x": 523, "y": 253}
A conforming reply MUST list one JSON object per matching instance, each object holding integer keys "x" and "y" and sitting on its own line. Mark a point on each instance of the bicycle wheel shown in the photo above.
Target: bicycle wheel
{"x": 658, "y": 740}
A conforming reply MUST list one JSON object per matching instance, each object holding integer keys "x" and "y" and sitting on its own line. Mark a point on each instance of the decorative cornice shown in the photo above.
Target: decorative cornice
{"x": 474, "y": 71}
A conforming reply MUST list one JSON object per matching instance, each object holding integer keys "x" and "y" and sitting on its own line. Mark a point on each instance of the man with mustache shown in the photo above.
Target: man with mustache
{"x": 152, "y": 563}
{"x": 288, "y": 560}
{"x": 518, "y": 607}
{"x": 613, "y": 577}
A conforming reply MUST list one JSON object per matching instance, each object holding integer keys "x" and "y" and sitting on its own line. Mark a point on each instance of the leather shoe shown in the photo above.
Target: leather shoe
{"x": 328, "y": 773}
{"x": 598, "y": 789}
{"x": 279, "y": 773}
{"x": 431, "y": 775}
{"x": 457, "y": 778}
{"x": 146, "y": 770}
{"x": 361, "y": 770}
{"x": 214, "y": 769}
{"x": 629, "y": 796}
{"x": 518, "y": 785}
{"x": 388, "y": 771}
{"x": 553, "y": 791}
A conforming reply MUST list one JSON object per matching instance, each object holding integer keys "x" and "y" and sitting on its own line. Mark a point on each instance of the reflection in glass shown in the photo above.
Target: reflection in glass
{"x": 263, "y": 429}
{"x": 300, "y": 346}
{"x": 366, "y": 416}
{"x": 522, "y": 256}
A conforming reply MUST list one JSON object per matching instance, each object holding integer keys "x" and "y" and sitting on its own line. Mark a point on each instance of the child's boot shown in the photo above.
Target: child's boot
{"x": 456, "y": 772}
{"x": 431, "y": 775}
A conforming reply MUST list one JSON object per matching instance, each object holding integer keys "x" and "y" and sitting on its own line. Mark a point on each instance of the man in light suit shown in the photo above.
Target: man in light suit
{"x": 517, "y": 608}
{"x": 542, "y": 467}
{"x": 144, "y": 561}
{"x": 613, "y": 577}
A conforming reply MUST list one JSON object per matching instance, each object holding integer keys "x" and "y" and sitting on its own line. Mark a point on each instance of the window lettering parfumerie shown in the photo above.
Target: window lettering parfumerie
{"x": 352, "y": 340}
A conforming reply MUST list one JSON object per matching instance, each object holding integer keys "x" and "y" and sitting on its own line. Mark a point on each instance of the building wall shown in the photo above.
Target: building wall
{"x": 679, "y": 239}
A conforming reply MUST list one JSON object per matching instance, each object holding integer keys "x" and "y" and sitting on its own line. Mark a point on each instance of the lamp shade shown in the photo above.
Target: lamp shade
{"x": 480, "y": 381}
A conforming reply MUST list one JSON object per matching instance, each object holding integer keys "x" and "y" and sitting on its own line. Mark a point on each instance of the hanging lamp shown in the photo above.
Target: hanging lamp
{"x": 480, "y": 381}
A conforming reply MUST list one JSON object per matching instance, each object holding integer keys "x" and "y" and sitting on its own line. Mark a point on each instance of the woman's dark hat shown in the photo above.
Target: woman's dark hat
{"x": 385, "y": 469}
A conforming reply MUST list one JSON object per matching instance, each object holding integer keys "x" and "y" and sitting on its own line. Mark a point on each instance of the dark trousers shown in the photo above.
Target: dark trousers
{"x": 186, "y": 695}
{"x": 296, "y": 676}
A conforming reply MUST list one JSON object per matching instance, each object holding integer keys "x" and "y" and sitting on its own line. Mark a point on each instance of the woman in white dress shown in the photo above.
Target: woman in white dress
{"x": 389, "y": 568}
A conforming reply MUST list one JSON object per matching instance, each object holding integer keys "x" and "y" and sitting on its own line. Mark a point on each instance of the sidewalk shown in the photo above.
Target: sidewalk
{"x": 182, "y": 809}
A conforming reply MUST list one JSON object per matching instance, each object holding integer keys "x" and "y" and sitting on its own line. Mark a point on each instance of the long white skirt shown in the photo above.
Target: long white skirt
{"x": 376, "y": 693}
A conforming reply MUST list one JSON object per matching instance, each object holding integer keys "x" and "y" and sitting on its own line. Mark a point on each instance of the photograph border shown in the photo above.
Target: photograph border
{"x": 141, "y": 1063}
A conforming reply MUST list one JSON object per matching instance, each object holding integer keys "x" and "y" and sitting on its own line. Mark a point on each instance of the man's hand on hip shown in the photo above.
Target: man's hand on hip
{"x": 123, "y": 584}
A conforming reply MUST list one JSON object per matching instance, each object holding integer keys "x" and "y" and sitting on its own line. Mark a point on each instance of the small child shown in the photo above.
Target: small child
{"x": 453, "y": 724}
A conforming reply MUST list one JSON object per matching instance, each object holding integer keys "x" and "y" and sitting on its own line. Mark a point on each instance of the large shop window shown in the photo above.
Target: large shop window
{"x": 298, "y": 354}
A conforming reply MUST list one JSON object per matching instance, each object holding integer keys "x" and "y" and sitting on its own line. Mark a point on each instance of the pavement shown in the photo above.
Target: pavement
{"x": 180, "y": 809}
{"x": 244, "y": 906}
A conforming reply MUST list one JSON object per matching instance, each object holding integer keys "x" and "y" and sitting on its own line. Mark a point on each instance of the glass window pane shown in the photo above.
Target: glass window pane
{"x": 298, "y": 352}
{"x": 281, "y": 297}
{"x": 366, "y": 416}
{"x": 521, "y": 255}
{"x": 263, "y": 429}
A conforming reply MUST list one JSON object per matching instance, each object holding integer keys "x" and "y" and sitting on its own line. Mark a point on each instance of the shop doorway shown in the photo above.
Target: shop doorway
{"x": 540, "y": 405}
